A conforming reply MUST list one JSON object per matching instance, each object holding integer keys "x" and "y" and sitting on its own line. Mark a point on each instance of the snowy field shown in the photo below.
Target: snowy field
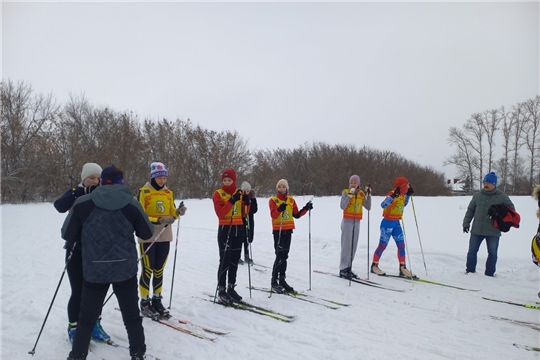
{"x": 424, "y": 322}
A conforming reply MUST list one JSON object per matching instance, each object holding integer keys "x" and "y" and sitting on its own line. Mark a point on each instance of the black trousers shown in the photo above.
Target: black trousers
{"x": 282, "y": 245}
{"x": 230, "y": 240}
{"x": 75, "y": 276}
{"x": 93, "y": 295}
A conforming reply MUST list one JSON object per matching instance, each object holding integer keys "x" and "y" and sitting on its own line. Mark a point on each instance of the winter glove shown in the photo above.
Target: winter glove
{"x": 308, "y": 206}
{"x": 355, "y": 190}
{"x": 492, "y": 211}
{"x": 396, "y": 193}
{"x": 410, "y": 191}
{"x": 166, "y": 220}
{"x": 368, "y": 190}
{"x": 466, "y": 229}
{"x": 236, "y": 197}
{"x": 246, "y": 199}
{"x": 282, "y": 207}
{"x": 89, "y": 189}
{"x": 181, "y": 210}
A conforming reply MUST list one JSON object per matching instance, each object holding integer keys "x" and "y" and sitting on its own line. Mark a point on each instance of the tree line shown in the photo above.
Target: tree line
{"x": 500, "y": 140}
{"x": 45, "y": 144}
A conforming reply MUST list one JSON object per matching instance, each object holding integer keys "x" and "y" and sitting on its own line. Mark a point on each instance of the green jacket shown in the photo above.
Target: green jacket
{"x": 478, "y": 209}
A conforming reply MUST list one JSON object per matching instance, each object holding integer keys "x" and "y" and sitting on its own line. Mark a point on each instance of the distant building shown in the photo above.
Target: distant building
{"x": 456, "y": 187}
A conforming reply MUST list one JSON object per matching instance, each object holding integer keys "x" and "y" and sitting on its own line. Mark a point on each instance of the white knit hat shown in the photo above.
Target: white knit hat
{"x": 283, "y": 182}
{"x": 245, "y": 186}
{"x": 90, "y": 169}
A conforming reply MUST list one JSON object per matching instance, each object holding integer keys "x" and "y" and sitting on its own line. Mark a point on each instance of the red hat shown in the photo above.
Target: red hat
{"x": 402, "y": 183}
{"x": 229, "y": 173}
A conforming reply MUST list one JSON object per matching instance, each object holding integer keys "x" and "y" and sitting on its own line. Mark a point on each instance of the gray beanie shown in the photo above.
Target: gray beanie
{"x": 90, "y": 169}
{"x": 245, "y": 186}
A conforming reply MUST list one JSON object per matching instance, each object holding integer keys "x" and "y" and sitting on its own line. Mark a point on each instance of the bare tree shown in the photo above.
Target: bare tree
{"x": 531, "y": 136}
{"x": 475, "y": 131}
{"x": 465, "y": 158}
{"x": 27, "y": 118}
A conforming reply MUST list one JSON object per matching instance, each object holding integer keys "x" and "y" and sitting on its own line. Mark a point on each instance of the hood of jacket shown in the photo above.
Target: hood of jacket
{"x": 111, "y": 197}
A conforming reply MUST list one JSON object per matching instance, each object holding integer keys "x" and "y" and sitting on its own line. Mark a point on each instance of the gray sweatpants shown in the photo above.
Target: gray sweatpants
{"x": 349, "y": 241}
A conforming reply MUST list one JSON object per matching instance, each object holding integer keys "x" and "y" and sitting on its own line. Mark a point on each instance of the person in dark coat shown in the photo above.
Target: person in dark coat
{"x": 103, "y": 222}
{"x": 249, "y": 221}
{"x": 90, "y": 178}
{"x": 482, "y": 227}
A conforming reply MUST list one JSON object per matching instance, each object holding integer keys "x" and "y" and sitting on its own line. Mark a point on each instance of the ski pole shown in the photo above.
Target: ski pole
{"x": 247, "y": 239}
{"x": 224, "y": 255}
{"x": 418, "y": 231}
{"x": 368, "y": 244}
{"x": 33, "y": 351}
{"x": 368, "y": 193}
{"x": 175, "y": 252}
{"x": 140, "y": 258}
{"x": 352, "y": 238}
{"x": 310, "y": 249}
{"x": 406, "y": 246}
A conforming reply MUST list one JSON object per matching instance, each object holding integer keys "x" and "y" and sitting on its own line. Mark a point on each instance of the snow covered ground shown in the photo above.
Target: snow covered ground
{"x": 425, "y": 322}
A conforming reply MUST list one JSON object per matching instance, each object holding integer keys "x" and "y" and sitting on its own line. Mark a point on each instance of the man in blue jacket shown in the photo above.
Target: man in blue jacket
{"x": 103, "y": 222}
{"x": 482, "y": 227}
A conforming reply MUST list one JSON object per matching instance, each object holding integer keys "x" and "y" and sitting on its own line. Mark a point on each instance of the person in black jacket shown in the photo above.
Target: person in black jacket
{"x": 249, "y": 221}
{"x": 103, "y": 222}
{"x": 90, "y": 177}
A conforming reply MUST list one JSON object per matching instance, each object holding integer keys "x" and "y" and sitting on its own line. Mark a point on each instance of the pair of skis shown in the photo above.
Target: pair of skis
{"x": 173, "y": 323}
{"x": 363, "y": 282}
{"x": 308, "y": 298}
{"x": 255, "y": 309}
{"x": 415, "y": 278}
{"x": 121, "y": 346}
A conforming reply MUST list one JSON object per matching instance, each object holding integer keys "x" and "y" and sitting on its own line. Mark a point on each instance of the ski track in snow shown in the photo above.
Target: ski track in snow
{"x": 425, "y": 322}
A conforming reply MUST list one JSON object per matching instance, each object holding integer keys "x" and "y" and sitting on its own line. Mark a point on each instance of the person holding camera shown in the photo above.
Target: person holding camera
{"x": 352, "y": 202}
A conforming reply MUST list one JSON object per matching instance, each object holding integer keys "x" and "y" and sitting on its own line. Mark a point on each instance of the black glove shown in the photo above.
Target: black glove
{"x": 246, "y": 199}
{"x": 466, "y": 229}
{"x": 235, "y": 197}
{"x": 410, "y": 191}
{"x": 89, "y": 189}
{"x": 282, "y": 207}
{"x": 396, "y": 193}
{"x": 492, "y": 211}
{"x": 368, "y": 190}
{"x": 308, "y": 206}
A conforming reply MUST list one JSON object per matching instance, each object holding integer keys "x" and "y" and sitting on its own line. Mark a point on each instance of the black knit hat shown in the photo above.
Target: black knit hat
{"x": 112, "y": 175}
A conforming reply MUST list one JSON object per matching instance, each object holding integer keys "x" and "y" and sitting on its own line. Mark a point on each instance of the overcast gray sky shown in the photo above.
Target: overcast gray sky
{"x": 392, "y": 76}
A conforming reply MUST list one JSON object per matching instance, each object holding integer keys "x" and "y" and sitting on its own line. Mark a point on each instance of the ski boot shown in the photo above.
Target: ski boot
{"x": 98, "y": 334}
{"x": 148, "y": 310}
{"x": 71, "y": 331}
{"x": 224, "y": 297}
{"x": 232, "y": 293}
{"x": 404, "y": 272}
{"x": 375, "y": 269}
{"x": 158, "y": 306}
{"x": 286, "y": 287}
